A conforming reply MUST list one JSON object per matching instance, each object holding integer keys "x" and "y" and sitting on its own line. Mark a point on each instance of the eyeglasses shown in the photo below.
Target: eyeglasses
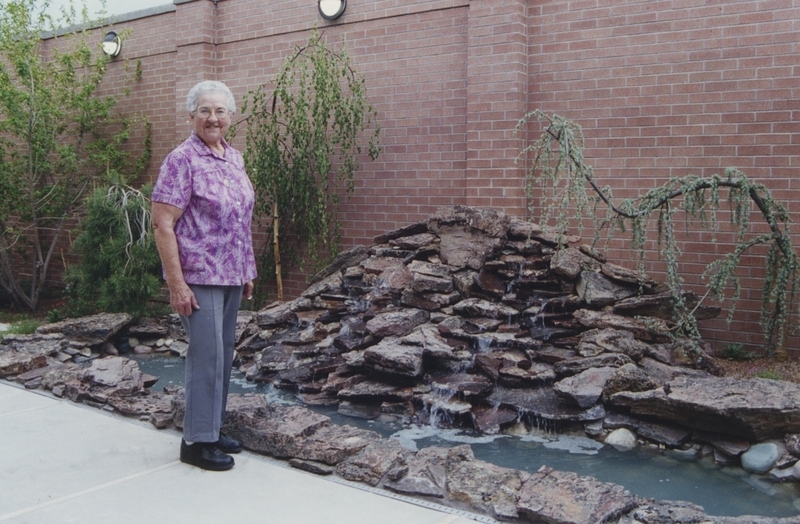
{"x": 220, "y": 112}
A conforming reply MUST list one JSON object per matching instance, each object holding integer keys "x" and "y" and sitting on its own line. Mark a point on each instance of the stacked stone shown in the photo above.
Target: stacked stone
{"x": 468, "y": 319}
{"x": 466, "y": 313}
{"x": 473, "y": 319}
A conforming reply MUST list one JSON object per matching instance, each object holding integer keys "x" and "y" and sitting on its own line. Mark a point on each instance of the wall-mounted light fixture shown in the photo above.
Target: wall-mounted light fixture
{"x": 331, "y": 9}
{"x": 112, "y": 45}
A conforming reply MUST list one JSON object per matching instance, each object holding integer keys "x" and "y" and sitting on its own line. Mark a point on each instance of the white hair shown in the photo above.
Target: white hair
{"x": 209, "y": 86}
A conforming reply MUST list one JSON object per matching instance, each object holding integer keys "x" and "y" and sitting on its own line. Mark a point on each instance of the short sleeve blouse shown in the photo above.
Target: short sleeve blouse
{"x": 215, "y": 243}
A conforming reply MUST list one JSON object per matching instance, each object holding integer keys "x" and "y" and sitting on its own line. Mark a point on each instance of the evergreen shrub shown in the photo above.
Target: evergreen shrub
{"x": 118, "y": 269}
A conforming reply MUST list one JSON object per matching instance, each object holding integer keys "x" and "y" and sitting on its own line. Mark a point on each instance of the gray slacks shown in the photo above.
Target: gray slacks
{"x": 211, "y": 331}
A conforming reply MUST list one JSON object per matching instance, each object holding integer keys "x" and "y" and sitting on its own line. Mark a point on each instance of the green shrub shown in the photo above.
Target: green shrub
{"x": 119, "y": 268}
{"x": 768, "y": 373}
{"x": 735, "y": 351}
{"x": 24, "y": 326}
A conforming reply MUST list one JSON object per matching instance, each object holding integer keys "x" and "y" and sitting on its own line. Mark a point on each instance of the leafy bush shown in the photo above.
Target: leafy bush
{"x": 770, "y": 374}
{"x": 60, "y": 136}
{"x": 734, "y": 351}
{"x": 24, "y": 326}
{"x": 119, "y": 268}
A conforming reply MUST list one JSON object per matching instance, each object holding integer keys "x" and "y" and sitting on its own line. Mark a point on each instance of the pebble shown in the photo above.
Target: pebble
{"x": 760, "y": 458}
{"x": 622, "y": 439}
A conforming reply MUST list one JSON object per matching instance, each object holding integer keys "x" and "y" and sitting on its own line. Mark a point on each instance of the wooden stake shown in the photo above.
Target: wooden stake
{"x": 276, "y": 249}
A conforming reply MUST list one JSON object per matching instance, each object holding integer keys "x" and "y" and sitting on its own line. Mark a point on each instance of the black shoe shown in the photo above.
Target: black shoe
{"x": 205, "y": 455}
{"x": 228, "y": 445}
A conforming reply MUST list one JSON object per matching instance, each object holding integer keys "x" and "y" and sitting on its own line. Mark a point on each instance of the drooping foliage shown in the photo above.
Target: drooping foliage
{"x": 57, "y": 138}
{"x": 119, "y": 269}
{"x": 564, "y": 185}
{"x": 305, "y": 134}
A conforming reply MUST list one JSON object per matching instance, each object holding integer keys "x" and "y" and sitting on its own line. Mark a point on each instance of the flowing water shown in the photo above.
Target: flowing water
{"x": 646, "y": 472}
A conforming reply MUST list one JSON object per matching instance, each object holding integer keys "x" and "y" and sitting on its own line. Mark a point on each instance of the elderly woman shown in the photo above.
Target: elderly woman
{"x": 202, "y": 209}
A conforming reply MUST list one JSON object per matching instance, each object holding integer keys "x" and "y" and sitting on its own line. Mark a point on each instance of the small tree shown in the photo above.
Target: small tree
{"x": 570, "y": 192}
{"x": 304, "y": 136}
{"x": 56, "y": 138}
{"x": 119, "y": 268}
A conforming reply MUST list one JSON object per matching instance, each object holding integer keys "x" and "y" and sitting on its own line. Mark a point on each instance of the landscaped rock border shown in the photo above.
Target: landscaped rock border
{"x": 469, "y": 314}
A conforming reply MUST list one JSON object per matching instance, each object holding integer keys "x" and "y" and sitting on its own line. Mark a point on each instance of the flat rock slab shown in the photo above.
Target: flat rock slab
{"x": 396, "y": 323}
{"x": 426, "y": 476}
{"x": 92, "y": 330}
{"x": 558, "y": 497}
{"x": 658, "y": 512}
{"x": 756, "y": 409}
{"x": 143, "y": 404}
{"x": 311, "y": 466}
{"x": 543, "y": 404}
{"x": 570, "y": 262}
{"x": 13, "y": 363}
{"x": 274, "y": 433}
{"x": 597, "y": 341}
{"x": 477, "y": 307}
{"x": 730, "y": 446}
{"x": 655, "y": 330}
{"x": 391, "y": 357}
{"x": 290, "y": 432}
{"x": 372, "y": 390}
{"x": 36, "y": 344}
{"x": 577, "y": 365}
{"x": 597, "y": 290}
{"x": 105, "y": 378}
{"x": 332, "y": 444}
{"x": 280, "y": 314}
{"x": 585, "y": 388}
{"x": 491, "y": 420}
{"x": 116, "y": 372}
{"x": 373, "y": 462}
{"x": 483, "y": 485}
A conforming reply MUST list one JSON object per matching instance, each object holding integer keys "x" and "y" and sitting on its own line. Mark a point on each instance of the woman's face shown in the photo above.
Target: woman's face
{"x": 212, "y": 118}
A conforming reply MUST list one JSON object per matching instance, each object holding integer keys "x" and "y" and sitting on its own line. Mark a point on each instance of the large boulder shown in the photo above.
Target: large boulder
{"x": 566, "y": 498}
{"x": 757, "y": 409}
{"x": 372, "y": 463}
{"x": 586, "y": 388}
{"x": 20, "y": 354}
{"x": 289, "y": 431}
{"x": 483, "y": 485}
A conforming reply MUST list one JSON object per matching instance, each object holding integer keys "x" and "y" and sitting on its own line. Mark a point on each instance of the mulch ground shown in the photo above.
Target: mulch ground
{"x": 762, "y": 367}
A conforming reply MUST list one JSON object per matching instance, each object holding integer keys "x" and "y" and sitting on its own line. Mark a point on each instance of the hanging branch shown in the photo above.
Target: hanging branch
{"x": 304, "y": 137}
{"x": 570, "y": 192}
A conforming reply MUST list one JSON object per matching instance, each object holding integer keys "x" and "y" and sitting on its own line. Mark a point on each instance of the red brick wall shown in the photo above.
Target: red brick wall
{"x": 662, "y": 89}
{"x": 670, "y": 88}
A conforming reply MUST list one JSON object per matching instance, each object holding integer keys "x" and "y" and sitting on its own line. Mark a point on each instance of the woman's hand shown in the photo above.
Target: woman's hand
{"x": 182, "y": 299}
{"x": 247, "y": 292}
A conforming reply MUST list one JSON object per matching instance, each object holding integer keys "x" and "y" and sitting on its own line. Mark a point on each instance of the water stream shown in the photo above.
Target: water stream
{"x": 646, "y": 472}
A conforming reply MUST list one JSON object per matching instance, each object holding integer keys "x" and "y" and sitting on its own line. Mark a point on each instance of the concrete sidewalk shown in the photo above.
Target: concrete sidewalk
{"x": 62, "y": 463}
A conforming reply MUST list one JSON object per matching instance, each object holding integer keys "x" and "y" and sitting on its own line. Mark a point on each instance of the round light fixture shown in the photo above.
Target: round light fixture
{"x": 331, "y": 9}
{"x": 112, "y": 45}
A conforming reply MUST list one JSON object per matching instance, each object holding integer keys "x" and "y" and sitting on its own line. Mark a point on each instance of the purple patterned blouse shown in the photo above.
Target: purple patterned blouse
{"x": 214, "y": 238}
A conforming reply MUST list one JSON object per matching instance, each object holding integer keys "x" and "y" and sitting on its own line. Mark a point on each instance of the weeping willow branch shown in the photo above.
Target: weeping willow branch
{"x": 305, "y": 134}
{"x": 570, "y": 193}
